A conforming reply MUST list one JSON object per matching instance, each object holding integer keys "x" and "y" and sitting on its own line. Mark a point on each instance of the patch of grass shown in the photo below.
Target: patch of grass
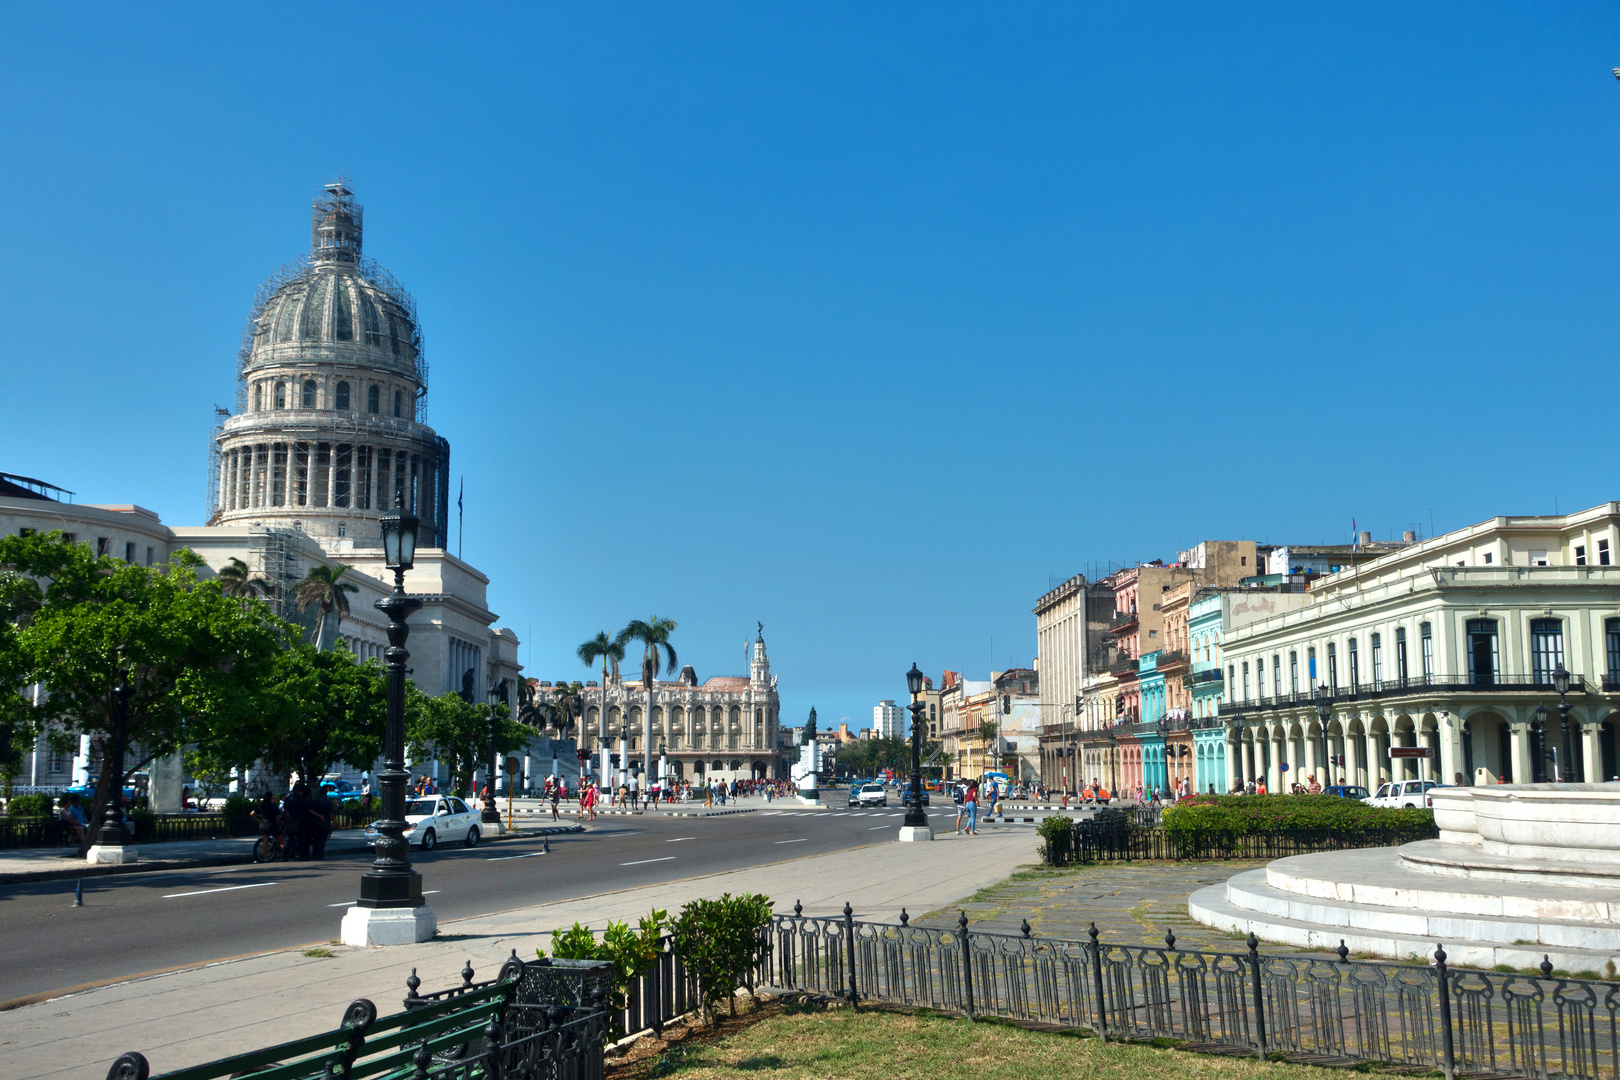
{"x": 854, "y": 1044}
{"x": 320, "y": 952}
{"x": 1139, "y": 913}
{"x": 1505, "y": 969}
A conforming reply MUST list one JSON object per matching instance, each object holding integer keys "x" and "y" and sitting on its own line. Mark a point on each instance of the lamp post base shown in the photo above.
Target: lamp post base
{"x": 911, "y": 833}
{"x": 110, "y": 855}
{"x": 364, "y": 928}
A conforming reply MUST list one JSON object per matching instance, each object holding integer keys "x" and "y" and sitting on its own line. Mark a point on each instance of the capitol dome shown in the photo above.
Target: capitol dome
{"x": 328, "y": 430}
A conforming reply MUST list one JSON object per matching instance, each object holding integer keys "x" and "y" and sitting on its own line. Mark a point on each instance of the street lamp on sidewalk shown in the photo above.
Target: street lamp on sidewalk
{"x": 491, "y": 817}
{"x": 916, "y": 823}
{"x": 112, "y": 838}
{"x": 390, "y": 910}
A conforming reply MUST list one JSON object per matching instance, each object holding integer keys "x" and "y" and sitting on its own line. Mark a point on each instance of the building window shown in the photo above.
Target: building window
{"x": 1245, "y": 680}
{"x": 1546, "y": 648}
{"x": 309, "y": 393}
{"x": 399, "y": 400}
{"x": 1378, "y": 658}
{"x": 373, "y": 396}
{"x": 1400, "y": 654}
{"x": 129, "y": 552}
{"x": 1611, "y": 633}
{"x": 1603, "y": 553}
{"x": 1260, "y": 675}
{"x": 148, "y": 556}
{"x": 102, "y": 544}
{"x": 1333, "y": 666}
{"x": 281, "y": 395}
{"x": 258, "y": 397}
{"x": 1580, "y": 554}
{"x": 341, "y": 404}
{"x": 1488, "y": 557}
{"x": 1310, "y": 660}
{"x": 1293, "y": 671}
{"x": 1483, "y": 659}
{"x": 1276, "y": 676}
{"x": 1538, "y": 558}
{"x": 1355, "y": 665}
{"x": 1426, "y": 641}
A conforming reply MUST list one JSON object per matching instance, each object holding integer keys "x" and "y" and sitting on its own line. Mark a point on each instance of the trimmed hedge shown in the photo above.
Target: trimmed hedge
{"x": 1226, "y": 817}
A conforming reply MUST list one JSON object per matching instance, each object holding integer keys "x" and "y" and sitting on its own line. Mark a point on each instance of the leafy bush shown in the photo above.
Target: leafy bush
{"x": 1057, "y": 837}
{"x": 29, "y": 806}
{"x": 142, "y": 823}
{"x": 1224, "y": 818}
{"x": 631, "y": 952}
{"x": 720, "y": 942}
{"x": 238, "y": 811}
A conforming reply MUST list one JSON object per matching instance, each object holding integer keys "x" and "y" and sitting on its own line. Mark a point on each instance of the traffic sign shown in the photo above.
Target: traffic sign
{"x": 1411, "y": 751}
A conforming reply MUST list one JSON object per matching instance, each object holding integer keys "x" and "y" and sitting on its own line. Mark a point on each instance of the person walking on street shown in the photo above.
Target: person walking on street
{"x": 554, "y": 797}
{"x": 294, "y": 812}
{"x": 970, "y": 803}
{"x": 320, "y": 824}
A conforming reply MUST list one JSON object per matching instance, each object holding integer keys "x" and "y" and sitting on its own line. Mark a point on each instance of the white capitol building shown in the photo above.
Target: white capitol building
{"x": 326, "y": 435}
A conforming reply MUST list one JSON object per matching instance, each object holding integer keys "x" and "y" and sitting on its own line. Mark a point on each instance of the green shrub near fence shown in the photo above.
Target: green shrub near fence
{"x": 1222, "y": 819}
{"x": 720, "y": 942}
{"x": 30, "y": 806}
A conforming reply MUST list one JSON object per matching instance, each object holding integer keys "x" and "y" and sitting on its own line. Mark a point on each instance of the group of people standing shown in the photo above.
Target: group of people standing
{"x": 303, "y": 818}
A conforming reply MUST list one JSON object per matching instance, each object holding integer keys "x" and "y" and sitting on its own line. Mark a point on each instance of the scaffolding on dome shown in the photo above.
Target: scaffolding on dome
{"x": 275, "y": 565}
{"x": 212, "y": 510}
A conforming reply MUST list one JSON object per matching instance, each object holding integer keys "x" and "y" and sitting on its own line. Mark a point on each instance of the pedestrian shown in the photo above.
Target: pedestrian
{"x": 294, "y": 810}
{"x": 73, "y": 817}
{"x": 970, "y": 804}
{"x": 555, "y": 794}
{"x": 320, "y": 824}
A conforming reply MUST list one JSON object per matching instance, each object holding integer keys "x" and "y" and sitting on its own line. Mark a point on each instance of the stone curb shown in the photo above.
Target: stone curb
{"x": 200, "y": 862}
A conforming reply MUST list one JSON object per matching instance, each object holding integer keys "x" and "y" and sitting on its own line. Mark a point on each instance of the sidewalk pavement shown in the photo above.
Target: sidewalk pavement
{"x": 188, "y": 1017}
{"x": 50, "y": 864}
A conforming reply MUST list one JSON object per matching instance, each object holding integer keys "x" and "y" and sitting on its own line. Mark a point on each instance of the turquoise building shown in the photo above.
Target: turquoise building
{"x": 1204, "y": 627}
{"x": 1154, "y": 708}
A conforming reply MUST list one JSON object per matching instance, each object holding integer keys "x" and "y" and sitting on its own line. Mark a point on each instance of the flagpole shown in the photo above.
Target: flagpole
{"x": 461, "y": 516}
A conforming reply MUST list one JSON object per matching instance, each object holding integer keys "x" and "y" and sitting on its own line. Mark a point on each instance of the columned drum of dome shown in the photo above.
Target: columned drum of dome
{"x": 328, "y": 430}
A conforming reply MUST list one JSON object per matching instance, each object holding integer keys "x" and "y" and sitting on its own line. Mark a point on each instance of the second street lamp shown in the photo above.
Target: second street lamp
{"x": 916, "y": 823}
{"x": 390, "y": 910}
{"x": 491, "y": 818}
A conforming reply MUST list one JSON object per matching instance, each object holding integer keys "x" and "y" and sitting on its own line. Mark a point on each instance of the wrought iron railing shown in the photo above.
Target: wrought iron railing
{"x": 1413, "y": 1016}
{"x": 25, "y": 832}
{"x": 1385, "y": 688}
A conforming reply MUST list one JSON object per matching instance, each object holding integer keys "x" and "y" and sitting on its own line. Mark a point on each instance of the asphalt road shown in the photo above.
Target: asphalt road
{"x": 133, "y": 924}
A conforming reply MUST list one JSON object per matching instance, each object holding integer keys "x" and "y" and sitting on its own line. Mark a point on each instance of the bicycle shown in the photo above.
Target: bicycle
{"x": 268, "y": 849}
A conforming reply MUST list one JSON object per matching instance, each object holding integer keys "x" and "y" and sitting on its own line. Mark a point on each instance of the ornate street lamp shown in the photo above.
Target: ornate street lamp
{"x": 492, "y": 813}
{"x": 1324, "y": 713}
{"x": 916, "y": 823}
{"x": 112, "y": 837}
{"x": 1560, "y": 678}
{"x": 390, "y": 910}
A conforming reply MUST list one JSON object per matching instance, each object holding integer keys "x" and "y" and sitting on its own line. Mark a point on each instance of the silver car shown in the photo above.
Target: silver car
{"x": 1400, "y": 793}
{"x": 435, "y": 818}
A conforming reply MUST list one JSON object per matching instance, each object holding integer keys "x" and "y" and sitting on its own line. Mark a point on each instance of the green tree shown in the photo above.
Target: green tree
{"x": 567, "y": 702}
{"x": 317, "y": 709}
{"x": 990, "y": 735}
{"x": 603, "y": 648}
{"x": 456, "y": 732}
{"x": 235, "y": 579}
{"x": 196, "y": 658}
{"x": 653, "y": 637}
{"x": 324, "y": 589}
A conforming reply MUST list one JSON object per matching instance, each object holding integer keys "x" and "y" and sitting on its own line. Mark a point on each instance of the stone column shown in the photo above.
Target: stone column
{"x": 1370, "y": 741}
{"x": 1352, "y": 759}
{"x": 1592, "y": 751}
{"x": 1233, "y": 748}
{"x": 1519, "y": 756}
{"x": 1312, "y": 758}
{"x": 1450, "y": 759}
{"x": 1275, "y": 742}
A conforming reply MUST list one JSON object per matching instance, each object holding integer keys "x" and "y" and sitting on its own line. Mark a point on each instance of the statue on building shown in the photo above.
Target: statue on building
{"x": 808, "y": 766}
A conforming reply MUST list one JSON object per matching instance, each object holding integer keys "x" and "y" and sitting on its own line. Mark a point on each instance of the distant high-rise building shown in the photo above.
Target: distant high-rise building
{"x": 889, "y": 720}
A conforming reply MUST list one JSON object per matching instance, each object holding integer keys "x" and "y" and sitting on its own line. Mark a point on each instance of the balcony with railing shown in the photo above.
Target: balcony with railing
{"x": 1420, "y": 686}
{"x": 1171, "y": 661}
{"x": 1122, "y": 621}
{"x": 1208, "y": 675}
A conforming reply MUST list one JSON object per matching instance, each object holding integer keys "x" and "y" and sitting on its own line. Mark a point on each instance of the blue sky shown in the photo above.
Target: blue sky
{"x": 862, "y": 320}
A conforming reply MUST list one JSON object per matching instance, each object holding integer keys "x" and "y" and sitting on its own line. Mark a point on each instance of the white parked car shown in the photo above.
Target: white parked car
{"x": 435, "y": 819}
{"x": 1402, "y": 793}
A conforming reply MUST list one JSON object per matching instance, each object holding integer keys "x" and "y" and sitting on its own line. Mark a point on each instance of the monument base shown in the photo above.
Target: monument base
{"x": 367, "y": 927}
{"x": 492, "y": 828}
{"x": 812, "y": 798}
{"x": 915, "y": 832}
{"x": 110, "y": 855}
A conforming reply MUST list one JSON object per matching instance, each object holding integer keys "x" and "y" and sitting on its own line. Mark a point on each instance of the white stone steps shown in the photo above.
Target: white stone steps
{"x": 1247, "y": 904}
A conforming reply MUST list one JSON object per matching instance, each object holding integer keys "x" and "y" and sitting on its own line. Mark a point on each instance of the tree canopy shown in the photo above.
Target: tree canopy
{"x": 456, "y": 733}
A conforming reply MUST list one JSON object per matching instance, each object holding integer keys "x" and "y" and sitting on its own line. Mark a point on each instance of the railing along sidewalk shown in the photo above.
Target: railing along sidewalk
{"x": 1338, "y": 1012}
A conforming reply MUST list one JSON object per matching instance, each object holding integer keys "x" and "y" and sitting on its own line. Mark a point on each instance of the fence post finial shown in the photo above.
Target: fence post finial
{"x": 905, "y": 920}
{"x": 1025, "y": 928}
{"x": 1448, "y": 1054}
{"x": 467, "y": 974}
{"x": 1344, "y": 953}
{"x": 1546, "y": 967}
{"x": 798, "y": 909}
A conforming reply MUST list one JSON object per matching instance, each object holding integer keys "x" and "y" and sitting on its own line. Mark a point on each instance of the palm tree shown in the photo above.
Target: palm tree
{"x": 235, "y": 579}
{"x": 603, "y": 648}
{"x": 325, "y": 588}
{"x": 653, "y": 636}
{"x": 566, "y": 704}
{"x": 531, "y": 710}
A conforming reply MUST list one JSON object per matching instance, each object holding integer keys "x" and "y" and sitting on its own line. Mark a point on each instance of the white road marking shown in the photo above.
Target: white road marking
{"x": 503, "y": 858}
{"x": 678, "y": 839}
{"x": 430, "y": 892}
{"x": 346, "y": 903}
{"x": 798, "y": 840}
{"x": 639, "y": 862}
{"x": 880, "y": 827}
{"x": 223, "y": 888}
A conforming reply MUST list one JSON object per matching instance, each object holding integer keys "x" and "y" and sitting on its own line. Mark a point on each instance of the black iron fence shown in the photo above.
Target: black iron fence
{"x": 533, "y": 1021}
{"x": 1416, "y": 1016}
{"x": 147, "y": 828}
{"x": 1087, "y": 842}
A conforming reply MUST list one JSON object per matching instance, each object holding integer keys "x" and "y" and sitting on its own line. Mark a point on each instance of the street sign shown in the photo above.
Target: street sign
{"x": 1411, "y": 751}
